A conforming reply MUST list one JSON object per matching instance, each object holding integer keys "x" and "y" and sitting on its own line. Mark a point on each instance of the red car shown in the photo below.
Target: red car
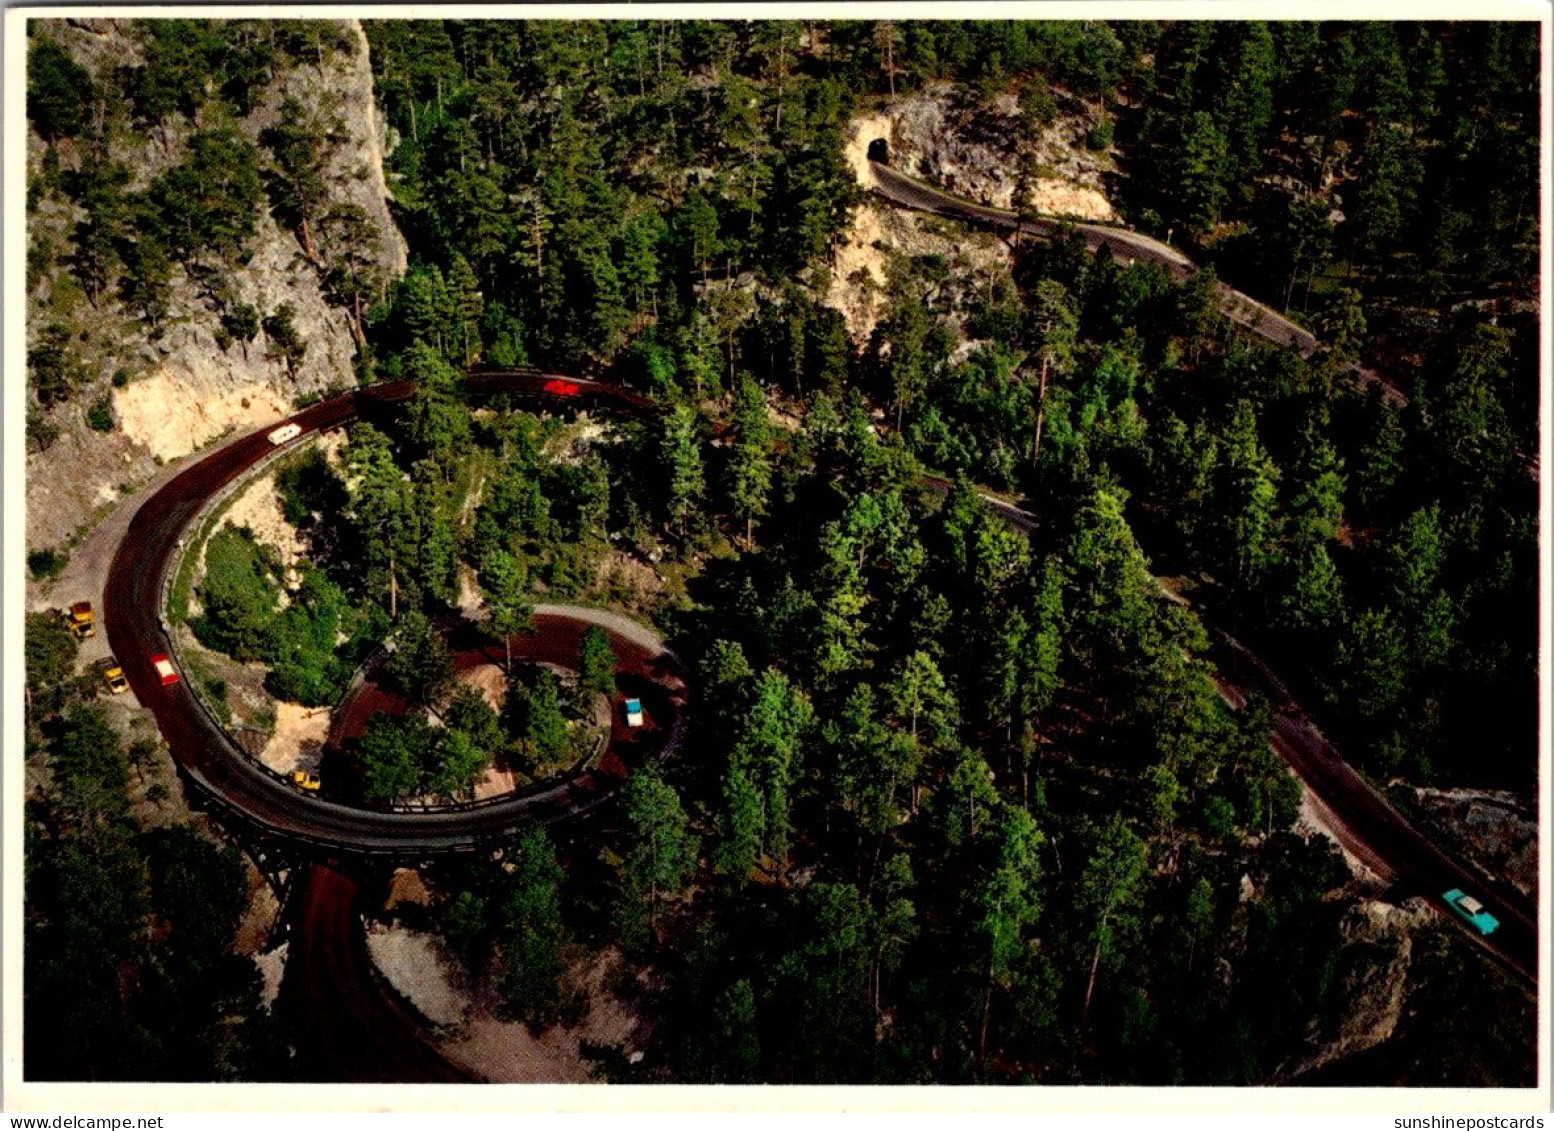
{"x": 559, "y": 388}
{"x": 164, "y": 670}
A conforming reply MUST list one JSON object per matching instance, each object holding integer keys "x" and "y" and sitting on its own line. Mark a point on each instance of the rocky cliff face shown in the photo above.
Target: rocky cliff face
{"x": 1414, "y": 1003}
{"x": 976, "y": 147}
{"x": 969, "y": 145}
{"x": 1496, "y": 830}
{"x": 1372, "y": 980}
{"x": 170, "y": 394}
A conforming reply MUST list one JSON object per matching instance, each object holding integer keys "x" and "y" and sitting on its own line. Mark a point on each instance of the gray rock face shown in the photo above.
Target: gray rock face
{"x": 969, "y": 145}
{"x": 1497, "y": 830}
{"x": 1372, "y": 980}
{"x": 355, "y": 169}
{"x": 180, "y": 390}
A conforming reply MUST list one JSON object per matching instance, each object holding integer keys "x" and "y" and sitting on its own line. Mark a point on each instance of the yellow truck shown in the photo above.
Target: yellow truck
{"x": 81, "y": 620}
{"x": 113, "y": 675}
{"x": 308, "y": 783}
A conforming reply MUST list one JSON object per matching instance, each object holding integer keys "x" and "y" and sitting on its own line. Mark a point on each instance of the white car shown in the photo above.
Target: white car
{"x": 284, "y": 434}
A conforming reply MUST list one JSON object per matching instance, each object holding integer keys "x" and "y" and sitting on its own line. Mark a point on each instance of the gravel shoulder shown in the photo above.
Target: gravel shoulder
{"x": 86, "y": 573}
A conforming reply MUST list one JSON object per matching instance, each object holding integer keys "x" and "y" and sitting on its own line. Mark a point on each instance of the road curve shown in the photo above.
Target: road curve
{"x": 644, "y": 670}
{"x": 333, "y": 968}
{"x": 218, "y": 772}
{"x": 1125, "y": 247}
{"x": 350, "y": 1028}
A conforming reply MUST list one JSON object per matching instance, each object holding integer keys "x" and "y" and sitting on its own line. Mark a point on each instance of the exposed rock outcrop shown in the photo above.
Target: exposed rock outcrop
{"x": 1497, "y": 830}
{"x": 1371, "y": 980}
{"x": 175, "y": 392}
{"x": 957, "y": 140}
{"x": 970, "y": 145}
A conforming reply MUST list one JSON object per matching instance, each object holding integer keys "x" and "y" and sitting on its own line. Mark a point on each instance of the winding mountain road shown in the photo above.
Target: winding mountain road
{"x": 370, "y": 1036}
{"x": 216, "y": 769}
{"x": 1125, "y": 247}
{"x": 1413, "y": 861}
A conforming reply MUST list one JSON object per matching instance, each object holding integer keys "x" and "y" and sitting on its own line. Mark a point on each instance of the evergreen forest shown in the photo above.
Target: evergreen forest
{"x": 961, "y": 799}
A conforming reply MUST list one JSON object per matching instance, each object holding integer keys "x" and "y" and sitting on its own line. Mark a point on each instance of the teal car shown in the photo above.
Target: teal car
{"x": 1471, "y": 910}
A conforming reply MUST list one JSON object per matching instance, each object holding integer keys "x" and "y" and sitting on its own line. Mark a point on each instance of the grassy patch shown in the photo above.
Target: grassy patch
{"x": 212, "y": 689}
{"x": 183, "y": 580}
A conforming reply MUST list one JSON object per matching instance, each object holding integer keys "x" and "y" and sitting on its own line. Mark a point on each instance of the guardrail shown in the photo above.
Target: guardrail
{"x": 542, "y": 805}
{"x": 215, "y": 505}
{"x": 564, "y": 780}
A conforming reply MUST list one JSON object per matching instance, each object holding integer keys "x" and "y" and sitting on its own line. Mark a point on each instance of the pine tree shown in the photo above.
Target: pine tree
{"x": 741, "y": 827}
{"x": 1110, "y": 898}
{"x": 1054, "y": 323}
{"x": 596, "y": 661}
{"x": 750, "y": 466}
{"x": 681, "y": 450}
{"x": 529, "y": 916}
{"x": 1245, "y": 496}
{"x": 661, "y": 850}
{"x": 1005, "y": 899}
{"x": 469, "y": 311}
{"x": 506, "y": 589}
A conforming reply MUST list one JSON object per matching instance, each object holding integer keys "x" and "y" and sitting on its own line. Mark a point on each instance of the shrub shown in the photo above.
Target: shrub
{"x": 241, "y": 323}
{"x": 54, "y": 368}
{"x": 99, "y": 415}
{"x": 286, "y": 342}
{"x": 46, "y": 564}
{"x": 239, "y": 594}
{"x": 41, "y": 431}
{"x": 1100, "y": 135}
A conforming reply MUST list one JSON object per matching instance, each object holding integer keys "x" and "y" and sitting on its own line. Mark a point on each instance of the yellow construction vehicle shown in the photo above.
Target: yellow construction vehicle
{"x": 305, "y": 781}
{"x": 113, "y": 675}
{"x": 81, "y": 620}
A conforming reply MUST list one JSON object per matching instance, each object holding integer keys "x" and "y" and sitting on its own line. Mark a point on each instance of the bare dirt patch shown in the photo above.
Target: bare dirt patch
{"x": 297, "y": 742}
{"x": 179, "y": 409}
{"x": 858, "y": 274}
{"x": 406, "y": 889}
{"x": 259, "y": 509}
{"x": 413, "y": 964}
{"x": 506, "y": 1052}
{"x": 272, "y": 966}
{"x": 1059, "y": 198}
{"x": 489, "y": 680}
{"x": 860, "y": 266}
